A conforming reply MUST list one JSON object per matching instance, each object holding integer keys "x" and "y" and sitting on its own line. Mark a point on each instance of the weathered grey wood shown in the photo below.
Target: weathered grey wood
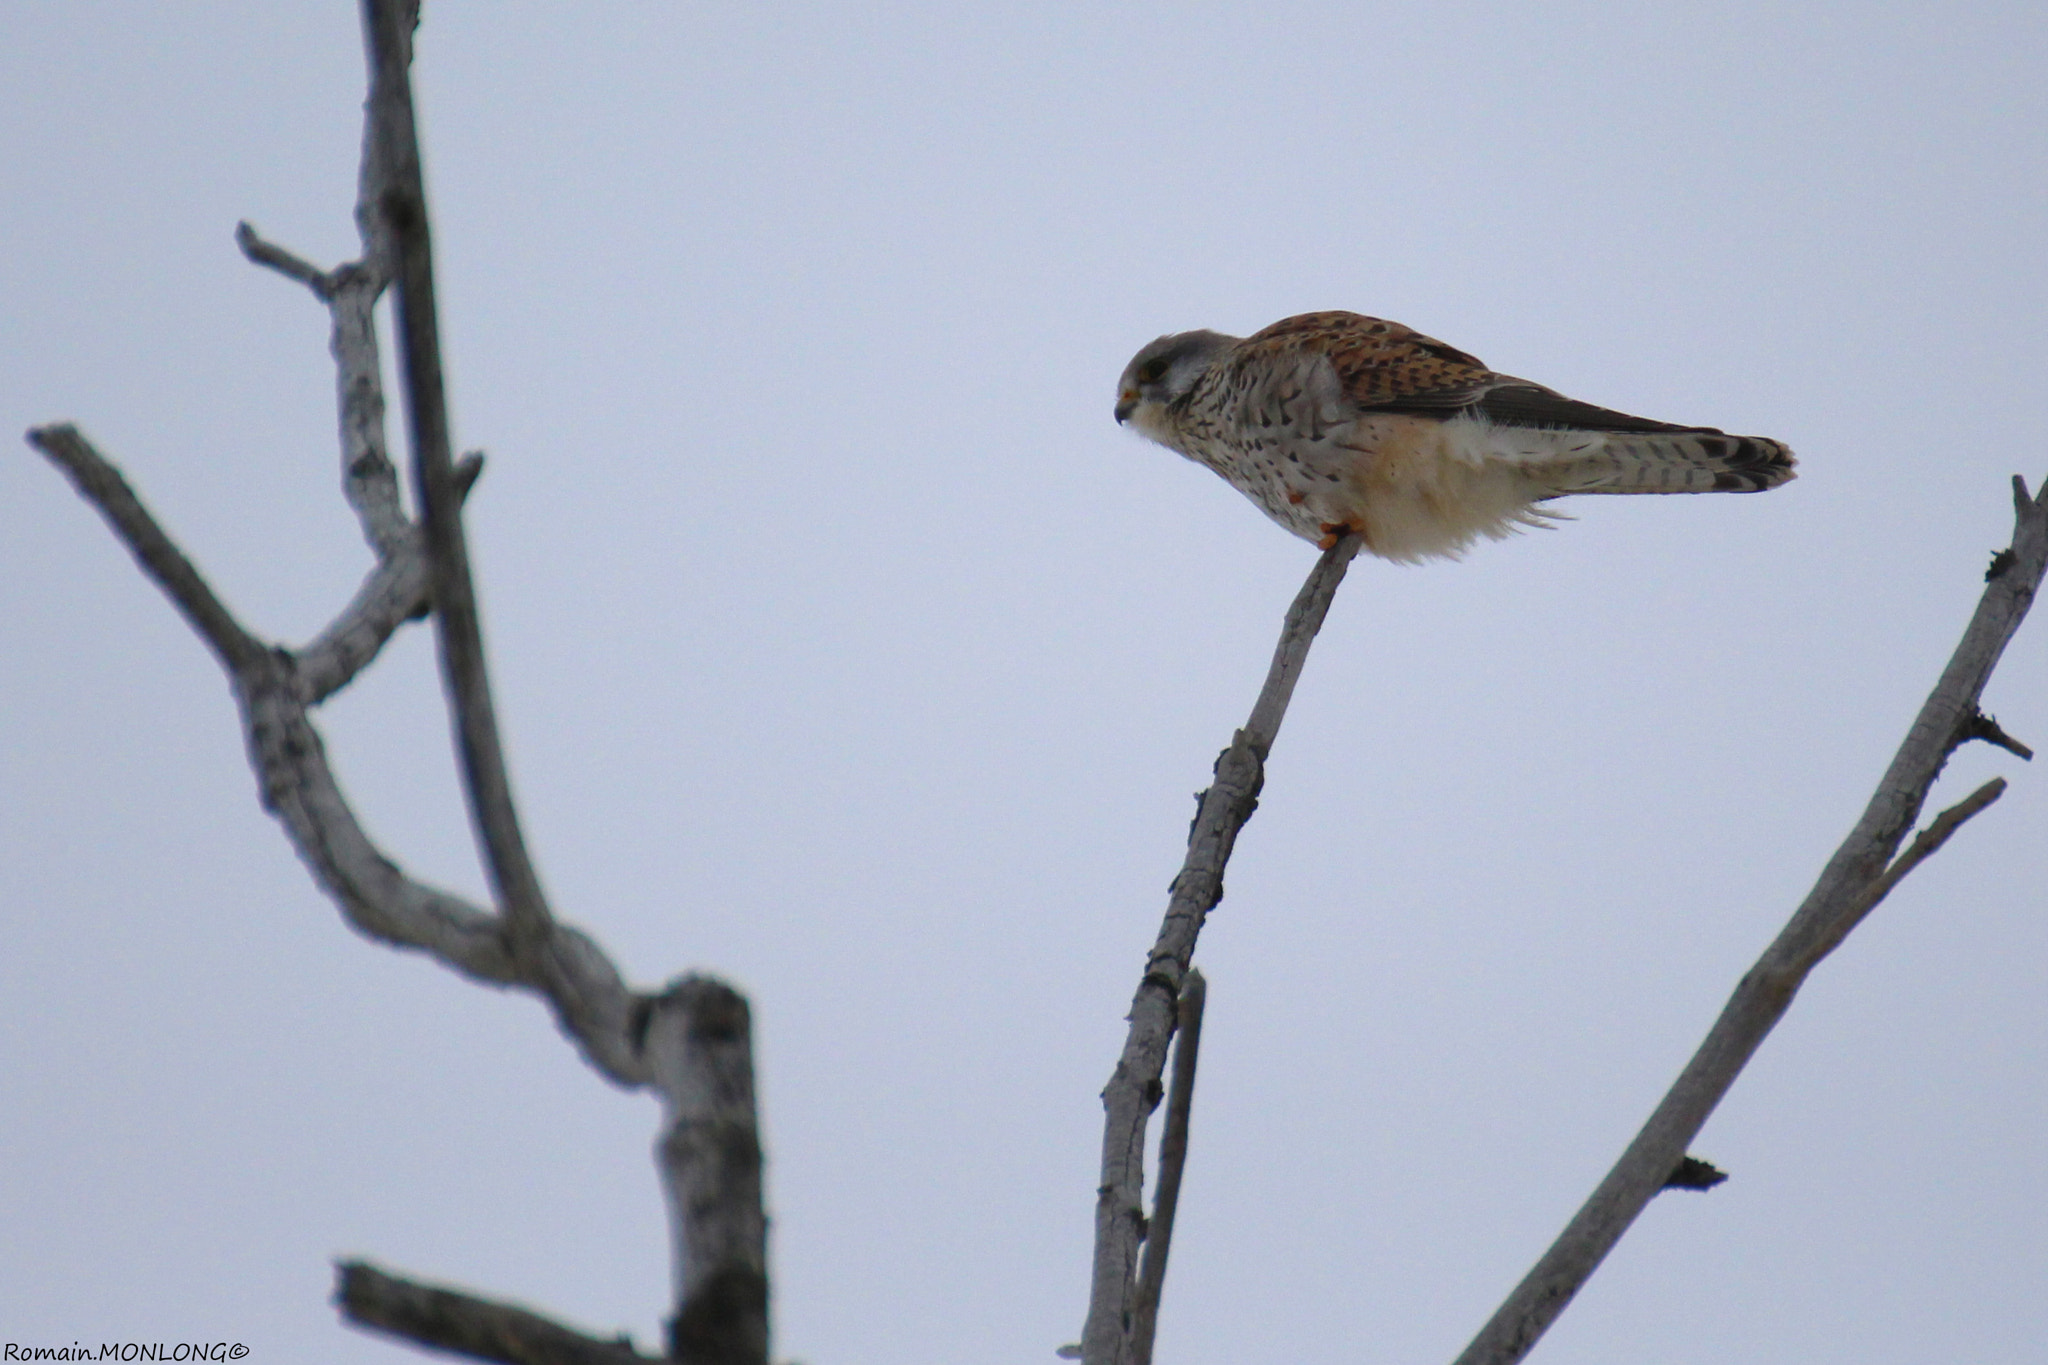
{"x": 393, "y": 593}
{"x": 399, "y": 207}
{"x": 1134, "y": 1087}
{"x": 1855, "y": 879}
{"x": 102, "y": 485}
{"x": 461, "y": 1324}
{"x": 351, "y": 292}
{"x": 699, "y": 1042}
{"x": 1173, "y": 1160}
{"x": 298, "y": 786}
{"x": 691, "y": 1043}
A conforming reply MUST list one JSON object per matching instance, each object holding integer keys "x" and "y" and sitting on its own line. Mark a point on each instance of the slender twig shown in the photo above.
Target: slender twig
{"x": 1304, "y": 618}
{"x": 394, "y": 592}
{"x": 458, "y": 624}
{"x": 351, "y": 292}
{"x": 274, "y": 257}
{"x": 444, "y": 1319}
{"x": 102, "y": 485}
{"x": 1856, "y": 878}
{"x": 1925, "y": 844}
{"x": 1134, "y": 1087}
{"x": 1173, "y": 1160}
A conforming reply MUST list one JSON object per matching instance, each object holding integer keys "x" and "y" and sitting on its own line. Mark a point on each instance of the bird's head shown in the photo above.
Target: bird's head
{"x": 1163, "y": 373}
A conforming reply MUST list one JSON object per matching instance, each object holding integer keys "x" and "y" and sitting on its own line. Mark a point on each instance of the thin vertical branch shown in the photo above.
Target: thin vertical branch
{"x": 1134, "y": 1087}
{"x": 697, "y": 1036}
{"x": 1173, "y": 1160}
{"x": 402, "y": 210}
{"x": 351, "y": 292}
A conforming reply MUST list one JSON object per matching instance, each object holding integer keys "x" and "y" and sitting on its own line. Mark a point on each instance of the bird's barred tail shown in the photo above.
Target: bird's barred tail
{"x": 1675, "y": 462}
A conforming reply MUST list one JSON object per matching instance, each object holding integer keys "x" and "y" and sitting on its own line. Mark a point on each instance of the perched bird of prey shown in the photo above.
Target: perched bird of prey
{"x": 1334, "y": 423}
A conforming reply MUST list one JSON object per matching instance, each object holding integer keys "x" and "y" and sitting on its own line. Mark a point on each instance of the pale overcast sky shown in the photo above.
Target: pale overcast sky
{"x": 847, "y": 648}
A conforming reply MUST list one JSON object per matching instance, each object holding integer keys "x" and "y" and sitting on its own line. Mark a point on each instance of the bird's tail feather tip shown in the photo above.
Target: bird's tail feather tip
{"x": 1755, "y": 464}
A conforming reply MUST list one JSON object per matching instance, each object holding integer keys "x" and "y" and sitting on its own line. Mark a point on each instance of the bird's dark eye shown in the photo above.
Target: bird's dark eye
{"x": 1152, "y": 371}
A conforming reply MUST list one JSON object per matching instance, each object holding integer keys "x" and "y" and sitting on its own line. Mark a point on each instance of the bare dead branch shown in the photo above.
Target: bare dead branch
{"x": 694, "y": 1041}
{"x": 368, "y": 480}
{"x": 1924, "y": 846}
{"x": 699, "y": 1042}
{"x": 276, "y": 258}
{"x": 1173, "y": 1160}
{"x": 590, "y": 999}
{"x": 351, "y": 292}
{"x": 449, "y": 1320}
{"x": 395, "y": 592}
{"x": 298, "y": 786}
{"x": 392, "y": 593}
{"x": 102, "y": 485}
{"x": 402, "y": 209}
{"x": 1855, "y": 879}
{"x": 1304, "y": 619}
{"x": 1134, "y": 1089}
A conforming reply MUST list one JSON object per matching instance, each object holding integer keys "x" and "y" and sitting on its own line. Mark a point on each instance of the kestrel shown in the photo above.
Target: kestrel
{"x": 1333, "y": 422}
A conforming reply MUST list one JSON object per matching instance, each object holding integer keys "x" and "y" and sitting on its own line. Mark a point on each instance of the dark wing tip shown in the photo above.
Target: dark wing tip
{"x": 1514, "y": 402}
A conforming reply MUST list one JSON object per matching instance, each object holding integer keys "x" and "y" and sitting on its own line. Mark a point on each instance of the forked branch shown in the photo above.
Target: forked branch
{"x": 400, "y": 207}
{"x": 1134, "y": 1088}
{"x": 1862, "y": 871}
{"x": 1173, "y": 1160}
{"x": 298, "y": 786}
{"x": 691, "y": 1043}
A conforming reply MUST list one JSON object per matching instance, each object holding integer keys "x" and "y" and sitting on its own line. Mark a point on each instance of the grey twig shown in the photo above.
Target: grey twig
{"x": 368, "y": 480}
{"x": 102, "y": 485}
{"x": 449, "y": 1320}
{"x": 1134, "y": 1087}
{"x": 351, "y": 292}
{"x": 283, "y": 262}
{"x": 391, "y": 594}
{"x": 1173, "y": 1160}
{"x": 1862, "y": 871}
{"x": 1923, "y": 847}
{"x": 1304, "y": 619}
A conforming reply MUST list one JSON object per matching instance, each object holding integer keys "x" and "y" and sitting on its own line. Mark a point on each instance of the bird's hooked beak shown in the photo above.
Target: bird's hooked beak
{"x": 1125, "y": 402}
